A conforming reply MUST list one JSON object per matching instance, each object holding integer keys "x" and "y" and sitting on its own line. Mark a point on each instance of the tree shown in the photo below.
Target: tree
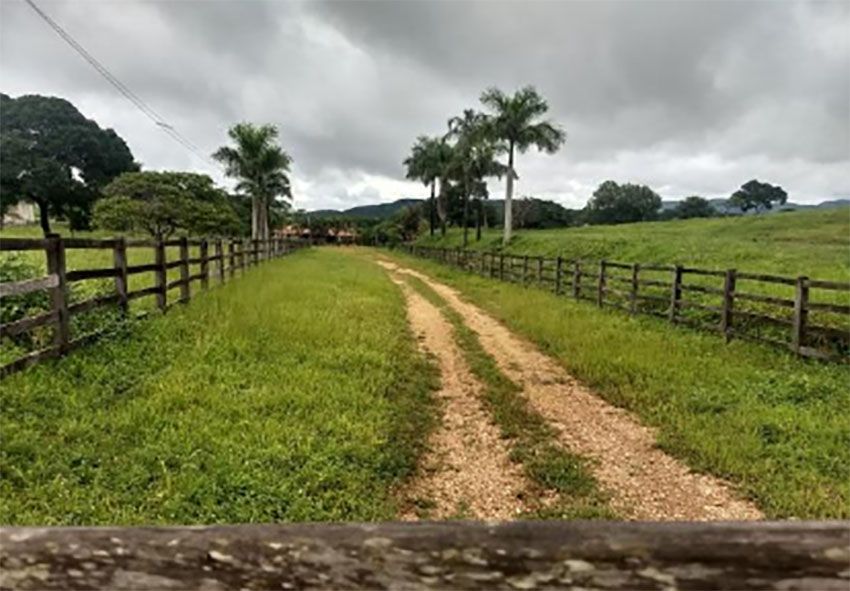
{"x": 758, "y": 196}
{"x": 473, "y": 158}
{"x": 515, "y": 121}
{"x": 162, "y": 203}
{"x": 619, "y": 204}
{"x": 694, "y": 207}
{"x": 427, "y": 161}
{"x": 262, "y": 168}
{"x": 530, "y": 212}
{"x": 51, "y": 155}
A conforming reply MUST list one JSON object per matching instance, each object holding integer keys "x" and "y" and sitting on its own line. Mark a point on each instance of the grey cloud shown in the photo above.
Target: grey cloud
{"x": 688, "y": 97}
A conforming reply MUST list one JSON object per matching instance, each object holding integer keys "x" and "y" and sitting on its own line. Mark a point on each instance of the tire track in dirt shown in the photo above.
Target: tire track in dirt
{"x": 643, "y": 481}
{"x": 466, "y": 471}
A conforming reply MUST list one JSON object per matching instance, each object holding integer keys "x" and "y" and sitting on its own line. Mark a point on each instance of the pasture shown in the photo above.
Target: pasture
{"x": 294, "y": 393}
{"x": 813, "y": 243}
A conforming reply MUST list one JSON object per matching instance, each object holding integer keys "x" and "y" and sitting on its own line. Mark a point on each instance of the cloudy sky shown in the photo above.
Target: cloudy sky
{"x": 688, "y": 97}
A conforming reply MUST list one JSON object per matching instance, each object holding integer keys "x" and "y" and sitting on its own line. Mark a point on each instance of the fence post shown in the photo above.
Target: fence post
{"x": 525, "y": 269}
{"x": 633, "y": 295}
{"x": 600, "y": 287}
{"x": 539, "y": 271}
{"x": 501, "y": 266}
{"x": 205, "y": 264}
{"x": 728, "y": 304}
{"x": 255, "y": 251}
{"x": 184, "y": 270}
{"x": 219, "y": 255}
{"x": 119, "y": 258}
{"x": 55, "y": 252}
{"x": 801, "y": 313}
{"x": 675, "y": 293}
{"x": 231, "y": 252}
{"x": 559, "y": 274}
{"x": 577, "y": 279}
{"x": 160, "y": 275}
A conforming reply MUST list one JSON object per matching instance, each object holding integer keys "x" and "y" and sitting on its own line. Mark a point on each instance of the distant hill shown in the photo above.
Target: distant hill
{"x": 380, "y": 211}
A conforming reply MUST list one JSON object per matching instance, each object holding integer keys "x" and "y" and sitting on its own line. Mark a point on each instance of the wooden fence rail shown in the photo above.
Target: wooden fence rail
{"x": 686, "y": 296}
{"x": 59, "y": 278}
{"x": 449, "y": 555}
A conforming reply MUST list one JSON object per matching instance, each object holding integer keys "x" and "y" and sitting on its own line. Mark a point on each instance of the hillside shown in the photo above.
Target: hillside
{"x": 814, "y": 242}
{"x": 374, "y": 211}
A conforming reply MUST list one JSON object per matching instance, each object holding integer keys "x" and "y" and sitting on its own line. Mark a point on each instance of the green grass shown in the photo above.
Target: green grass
{"x": 775, "y": 425}
{"x": 813, "y": 243}
{"x": 532, "y": 441}
{"x": 84, "y": 258}
{"x": 294, "y": 393}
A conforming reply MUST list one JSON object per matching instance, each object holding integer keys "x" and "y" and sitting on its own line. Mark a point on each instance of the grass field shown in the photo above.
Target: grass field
{"x": 775, "y": 425}
{"x": 814, "y": 243}
{"x": 294, "y": 393}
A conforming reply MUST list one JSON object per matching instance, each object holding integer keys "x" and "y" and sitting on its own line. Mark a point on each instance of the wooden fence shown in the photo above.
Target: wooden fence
{"x": 451, "y": 555}
{"x": 705, "y": 299}
{"x": 227, "y": 257}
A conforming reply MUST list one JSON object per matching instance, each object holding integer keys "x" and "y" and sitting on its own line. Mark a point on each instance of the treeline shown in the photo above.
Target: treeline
{"x": 73, "y": 170}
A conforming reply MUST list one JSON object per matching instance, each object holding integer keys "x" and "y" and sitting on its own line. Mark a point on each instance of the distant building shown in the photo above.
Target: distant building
{"x": 20, "y": 214}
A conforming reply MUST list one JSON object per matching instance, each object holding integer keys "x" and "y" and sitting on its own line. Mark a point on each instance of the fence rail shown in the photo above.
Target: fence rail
{"x": 450, "y": 555}
{"x": 706, "y": 299}
{"x": 240, "y": 255}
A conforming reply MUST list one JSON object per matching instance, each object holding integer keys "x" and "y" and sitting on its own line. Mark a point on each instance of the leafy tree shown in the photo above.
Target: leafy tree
{"x": 515, "y": 121}
{"x": 531, "y": 212}
{"x": 694, "y": 207}
{"x": 619, "y": 204}
{"x": 427, "y": 162}
{"x": 262, "y": 168}
{"x": 473, "y": 159}
{"x": 162, "y": 203}
{"x": 51, "y": 155}
{"x": 758, "y": 196}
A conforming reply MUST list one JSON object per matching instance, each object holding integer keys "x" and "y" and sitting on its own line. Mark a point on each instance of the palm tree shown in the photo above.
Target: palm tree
{"x": 262, "y": 168}
{"x": 474, "y": 158}
{"x": 514, "y": 122}
{"x": 427, "y": 161}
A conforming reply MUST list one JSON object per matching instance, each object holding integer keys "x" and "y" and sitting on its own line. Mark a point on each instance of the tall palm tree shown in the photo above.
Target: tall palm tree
{"x": 262, "y": 168}
{"x": 474, "y": 157}
{"x": 426, "y": 163}
{"x": 515, "y": 122}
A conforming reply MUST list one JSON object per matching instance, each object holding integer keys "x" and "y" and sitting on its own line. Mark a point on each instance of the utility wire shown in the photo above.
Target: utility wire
{"x": 158, "y": 120}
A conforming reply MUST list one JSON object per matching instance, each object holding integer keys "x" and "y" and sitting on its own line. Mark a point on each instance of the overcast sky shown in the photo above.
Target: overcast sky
{"x": 687, "y": 97}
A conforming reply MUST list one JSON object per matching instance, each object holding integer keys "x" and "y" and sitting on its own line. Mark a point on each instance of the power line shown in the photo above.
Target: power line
{"x": 158, "y": 120}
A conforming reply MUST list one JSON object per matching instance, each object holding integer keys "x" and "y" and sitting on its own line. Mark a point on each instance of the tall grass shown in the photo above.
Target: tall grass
{"x": 775, "y": 425}
{"x": 294, "y": 393}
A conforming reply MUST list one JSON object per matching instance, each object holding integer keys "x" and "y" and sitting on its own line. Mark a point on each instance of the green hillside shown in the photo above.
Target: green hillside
{"x": 814, "y": 243}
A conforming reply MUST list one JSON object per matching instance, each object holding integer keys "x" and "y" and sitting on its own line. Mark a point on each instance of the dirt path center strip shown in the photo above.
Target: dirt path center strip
{"x": 467, "y": 471}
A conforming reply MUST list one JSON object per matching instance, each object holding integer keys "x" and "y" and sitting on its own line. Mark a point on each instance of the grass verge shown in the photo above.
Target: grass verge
{"x": 532, "y": 441}
{"x": 294, "y": 393}
{"x": 775, "y": 425}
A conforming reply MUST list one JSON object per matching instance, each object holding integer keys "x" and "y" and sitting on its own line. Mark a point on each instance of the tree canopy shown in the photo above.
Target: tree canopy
{"x": 618, "y": 204}
{"x": 162, "y": 203}
{"x": 515, "y": 121}
{"x": 261, "y": 168}
{"x": 694, "y": 207}
{"x": 427, "y": 163}
{"x": 50, "y": 154}
{"x": 758, "y": 196}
